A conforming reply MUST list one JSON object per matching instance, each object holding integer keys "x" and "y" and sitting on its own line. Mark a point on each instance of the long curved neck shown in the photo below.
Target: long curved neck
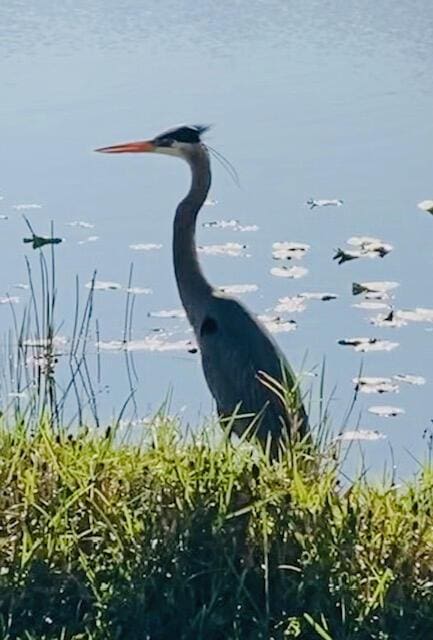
{"x": 193, "y": 287}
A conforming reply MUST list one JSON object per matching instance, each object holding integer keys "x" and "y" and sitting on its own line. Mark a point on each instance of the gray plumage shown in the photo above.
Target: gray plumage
{"x": 239, "y": 356}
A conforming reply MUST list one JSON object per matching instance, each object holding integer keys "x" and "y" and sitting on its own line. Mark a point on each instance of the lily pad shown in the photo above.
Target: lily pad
{"x": 361, "y": 434}
{"x": 38, "y": 242}
{"x": 89, "y": 239}
{"x": 139, "y": 290}
{"x": 386, "y": 411}
{"x": 25, "y": 207}
{"x": 234, "y": 225}
{"x": 235, "y": 289}
{"x": 289, "y": 250}
{"x": 365, "y": 345}
{"x": 334, "y": 202}
{"x": 232, "y": 249}
{"x": 101, "y": 285}
{"x": 289, "y": 272}
{"x": 276, "y": 324}
{"x": 81, "y": 224}
{"x": 9, "y": 300}
{"x": 150, "y": 246}
{"x": 410, "y": 379}
{"x": 295, "y": 304}
{"x": 373, "y": 287}
{"x": 389, "y": 320}
{"x": 419, "y": 314}
{"x": 426, "y": 205}
{"x": 167, "y": 313}
{"x": 149, "y": 343}
{"x": 375, "y": 385}
{"x": 323, "y": 297}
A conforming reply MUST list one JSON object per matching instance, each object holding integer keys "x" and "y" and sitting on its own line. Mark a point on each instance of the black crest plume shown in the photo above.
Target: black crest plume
{"x": 185, "y": 133}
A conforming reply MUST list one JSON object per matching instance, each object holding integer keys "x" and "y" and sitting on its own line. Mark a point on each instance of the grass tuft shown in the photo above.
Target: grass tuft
{"x": 177, "y": 539}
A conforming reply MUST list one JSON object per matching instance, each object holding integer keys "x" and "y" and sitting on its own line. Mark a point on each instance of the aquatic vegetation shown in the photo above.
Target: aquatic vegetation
{"x": 233, "y": 225}
{"x": 21, "y": 285}
{"x": 209, "y": 202}
{"x": 103, "y": 285}
{"x": 373, "y": 287}
{"x": 294, "y": 304}
{"x": 233, "y": 249}
{"x": 81, "y": 224}
{"x": 289, "y": 272}
{"x": 335, "y": 202}
{"x": 361, "y": 434}
{"x": 167, "y": 313}
{"x": 426, "y": 205}
{"x": 149, "y": 246}
{"x": 410, "y": 379}
{"x": 9, "y": 300}
{"x": 388, "y": 320}
{"x": 368, "y": 244}
{"x": 139, "y": 290}
{"x": 148, "y": 343}
{"x": 385, "y": 411}
{"x": 26, "y": 207}
{"x": 420, "y": 314}
{"x": 55, "y": 341}
{"x": 367, "y": 247}
{"x": 371, "y": 305}
{"x": 345, "y": 255}
{"x": 235, "y": 289}
{"x": 220, "y": 224}
{"x": 366, "y": 384}
{"x": 276, "y": 324}
{"x": 38, "y": 242}
{"x": 368, "y": 344}
{"x": 289, "y": 250}
{"x": 88, "y": 239}
{"x": 247, "y": 227}
{"x": 322, "y": 297}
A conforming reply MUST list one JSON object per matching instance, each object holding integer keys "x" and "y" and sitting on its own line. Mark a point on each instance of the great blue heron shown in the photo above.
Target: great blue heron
{"x": 239, "y": 357}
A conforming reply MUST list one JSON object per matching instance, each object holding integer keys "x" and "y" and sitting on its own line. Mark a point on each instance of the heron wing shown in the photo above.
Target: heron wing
{"x": 236, "y": 351}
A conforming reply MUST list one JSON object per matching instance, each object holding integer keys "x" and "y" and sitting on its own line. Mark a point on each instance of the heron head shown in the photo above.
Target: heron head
{"x": 182, "y": 141}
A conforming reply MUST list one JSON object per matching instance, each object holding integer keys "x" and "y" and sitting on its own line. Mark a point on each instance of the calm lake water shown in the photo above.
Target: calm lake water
{"x": 308, "y": 99}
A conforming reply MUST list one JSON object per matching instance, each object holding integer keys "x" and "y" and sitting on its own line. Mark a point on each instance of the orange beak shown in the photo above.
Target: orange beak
{"x": 144, "y": 146}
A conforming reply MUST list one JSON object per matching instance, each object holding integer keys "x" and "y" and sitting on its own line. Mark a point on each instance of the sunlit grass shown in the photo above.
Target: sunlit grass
{"x": 177, "y": 539}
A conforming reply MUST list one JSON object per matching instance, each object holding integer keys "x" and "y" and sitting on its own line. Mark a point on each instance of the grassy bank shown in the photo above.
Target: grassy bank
{"x": 174, "y": 540}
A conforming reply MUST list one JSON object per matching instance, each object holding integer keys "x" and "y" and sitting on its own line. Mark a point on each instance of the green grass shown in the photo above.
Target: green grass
{"x": 187, "y": 540}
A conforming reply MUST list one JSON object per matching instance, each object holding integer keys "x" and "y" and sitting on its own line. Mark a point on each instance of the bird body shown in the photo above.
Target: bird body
{"x": 232, "y": 341}
{"x": 240, "y": 359}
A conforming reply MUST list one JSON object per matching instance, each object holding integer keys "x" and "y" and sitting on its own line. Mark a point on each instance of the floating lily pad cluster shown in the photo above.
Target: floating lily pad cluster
{"x": 289, "y": 258}
{"x": 364, "y": 247}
